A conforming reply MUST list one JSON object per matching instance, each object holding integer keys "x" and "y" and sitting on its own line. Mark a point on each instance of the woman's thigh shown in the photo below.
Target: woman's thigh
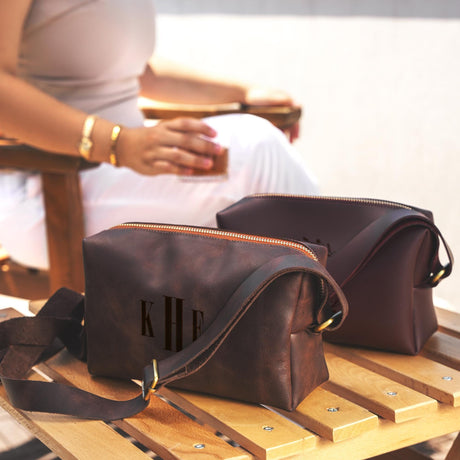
{"x": 260, "y": 160}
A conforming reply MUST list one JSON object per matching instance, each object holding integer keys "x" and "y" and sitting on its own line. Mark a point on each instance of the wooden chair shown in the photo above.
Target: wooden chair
{"x": 283, "y": 117}
{"x": 64, "y": 218}
{"x": 63, "y": 203}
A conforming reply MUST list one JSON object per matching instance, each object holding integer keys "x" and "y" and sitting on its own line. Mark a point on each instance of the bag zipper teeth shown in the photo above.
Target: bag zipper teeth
{"x": 235, "y": 236}
{"x": 391, "y": 204}
{"x": 218, "y": 233}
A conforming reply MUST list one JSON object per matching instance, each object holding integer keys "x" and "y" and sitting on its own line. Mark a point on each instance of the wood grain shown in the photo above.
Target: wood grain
{"x": 417, "y": 372}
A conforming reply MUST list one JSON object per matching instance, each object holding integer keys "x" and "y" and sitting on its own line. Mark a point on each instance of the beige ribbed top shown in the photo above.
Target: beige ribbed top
{"x": 89, "y": 53}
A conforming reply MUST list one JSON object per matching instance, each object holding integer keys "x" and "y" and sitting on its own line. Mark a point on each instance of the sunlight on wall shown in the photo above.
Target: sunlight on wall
{"x": 380, "y": 95}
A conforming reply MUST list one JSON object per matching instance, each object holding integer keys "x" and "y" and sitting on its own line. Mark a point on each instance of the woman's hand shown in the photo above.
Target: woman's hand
{"x": 177, "y": 146}
{"x": 260, "y": 96}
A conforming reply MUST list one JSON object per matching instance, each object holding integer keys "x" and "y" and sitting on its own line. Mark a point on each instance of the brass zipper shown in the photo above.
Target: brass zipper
{"x": 216, "y": 233}
{"x": 222, "y": 234}
{"x": 369, "y": 201}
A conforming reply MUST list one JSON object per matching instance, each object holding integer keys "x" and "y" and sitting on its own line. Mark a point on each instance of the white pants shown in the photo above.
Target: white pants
{"x": 260, "y": 160}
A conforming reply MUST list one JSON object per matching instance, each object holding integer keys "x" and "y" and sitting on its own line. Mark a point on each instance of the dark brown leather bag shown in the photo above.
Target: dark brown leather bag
{"x": 384, "y": 255}
{"x": 221, "y": 313}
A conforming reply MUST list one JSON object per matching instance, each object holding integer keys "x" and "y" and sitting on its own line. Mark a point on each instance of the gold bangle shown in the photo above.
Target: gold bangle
{"x": 86, "y": 144}
{"x": 113, "y": 145}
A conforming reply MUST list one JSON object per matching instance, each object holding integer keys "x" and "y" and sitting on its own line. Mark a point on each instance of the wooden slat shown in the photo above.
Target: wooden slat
{"x": 376, "y": 393}
{"x": 160, "y": 427}
{"x": 389, "y": 436}
{"x": 444, "y": 349}
{"x": 19, "y": 281}
{"x": 173, "y": 435}
{"x": 417, "y": 372}
{"x": 449, "y": 321}
{"x": 170, "y": 433}
{"x": 264, "y": 433}
{"x": 332, "y": 416}
{"x": 8, "y": 313}
{"x": 72, "y": 438}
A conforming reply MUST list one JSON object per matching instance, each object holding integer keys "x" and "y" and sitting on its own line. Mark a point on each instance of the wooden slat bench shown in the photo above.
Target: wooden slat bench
{"x": 374, "y": 404}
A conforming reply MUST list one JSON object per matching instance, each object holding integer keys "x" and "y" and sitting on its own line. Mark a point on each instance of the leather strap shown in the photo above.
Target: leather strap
{"x": 61, "y": 317}
{"x": 356, "y": 253}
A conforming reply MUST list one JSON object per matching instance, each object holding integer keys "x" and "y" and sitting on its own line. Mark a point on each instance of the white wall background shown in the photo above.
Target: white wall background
{"x": 379, "y": 81}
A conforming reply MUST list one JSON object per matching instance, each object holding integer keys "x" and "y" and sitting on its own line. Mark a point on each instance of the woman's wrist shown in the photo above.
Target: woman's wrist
{"x": 113, "y": 154}
{"x": 85, "y": 145}
{"x": 103, "y": 141}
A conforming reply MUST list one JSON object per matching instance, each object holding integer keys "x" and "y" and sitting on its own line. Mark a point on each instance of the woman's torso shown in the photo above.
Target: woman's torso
{"x": 89, "y": 53}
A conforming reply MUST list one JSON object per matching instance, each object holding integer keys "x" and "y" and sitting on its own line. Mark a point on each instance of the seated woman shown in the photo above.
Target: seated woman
{"x": 71, "y": 73}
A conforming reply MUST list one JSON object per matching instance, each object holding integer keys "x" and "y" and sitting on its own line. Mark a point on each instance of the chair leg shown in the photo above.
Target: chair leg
{"x": 65, "y": 229}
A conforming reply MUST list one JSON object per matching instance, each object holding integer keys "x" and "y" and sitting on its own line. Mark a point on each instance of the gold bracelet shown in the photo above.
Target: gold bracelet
{"x": 113, "y": 145}
{"x": 86, "y": 144}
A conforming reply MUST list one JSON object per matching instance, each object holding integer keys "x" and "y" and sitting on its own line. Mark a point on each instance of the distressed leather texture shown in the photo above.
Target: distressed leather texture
{"x": 384, "y": 256}
{"x": 153, "y": 294}
{"x": 259, "y": 345}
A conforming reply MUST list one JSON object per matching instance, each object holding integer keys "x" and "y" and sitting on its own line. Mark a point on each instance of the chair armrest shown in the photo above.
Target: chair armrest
{"x": 13, "y": 154}
{"x": 282, "y": 117}
{"x": 21, "y": 156}
{"x": 64, "y": 216}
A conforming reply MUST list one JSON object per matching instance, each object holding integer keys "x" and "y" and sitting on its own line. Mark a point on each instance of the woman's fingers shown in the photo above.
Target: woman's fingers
{"x": 189, "y": 125}
{"x": 185, "y": 143}
{"x": 193, "y": 143}
{"x": 181, "y": 158}
{"x": 191, "y": 135}
{"x": 178, "y": 146}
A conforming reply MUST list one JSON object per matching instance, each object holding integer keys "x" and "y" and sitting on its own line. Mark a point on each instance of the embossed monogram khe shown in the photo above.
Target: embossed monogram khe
{"x": 164, "y": 287}
{"x": 222, "y": 313}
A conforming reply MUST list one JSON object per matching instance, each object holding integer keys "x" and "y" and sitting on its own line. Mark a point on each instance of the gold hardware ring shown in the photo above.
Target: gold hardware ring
{"x": 146, "y": 392}
{"x": 328, "y": 322}
{"x": 438, "y": 276}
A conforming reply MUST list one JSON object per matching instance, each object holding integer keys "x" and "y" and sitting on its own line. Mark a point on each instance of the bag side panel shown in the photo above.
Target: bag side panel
{"x": 425, "y": 321}
{"x": 254, "y": 363}
{"x": 308, "y": 365}
{"x": 381, "y": 298}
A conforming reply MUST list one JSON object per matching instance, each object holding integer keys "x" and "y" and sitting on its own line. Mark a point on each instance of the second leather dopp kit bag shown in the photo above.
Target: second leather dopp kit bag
{"x": 218, "y": 312}
{"x": 384, "y": 255}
